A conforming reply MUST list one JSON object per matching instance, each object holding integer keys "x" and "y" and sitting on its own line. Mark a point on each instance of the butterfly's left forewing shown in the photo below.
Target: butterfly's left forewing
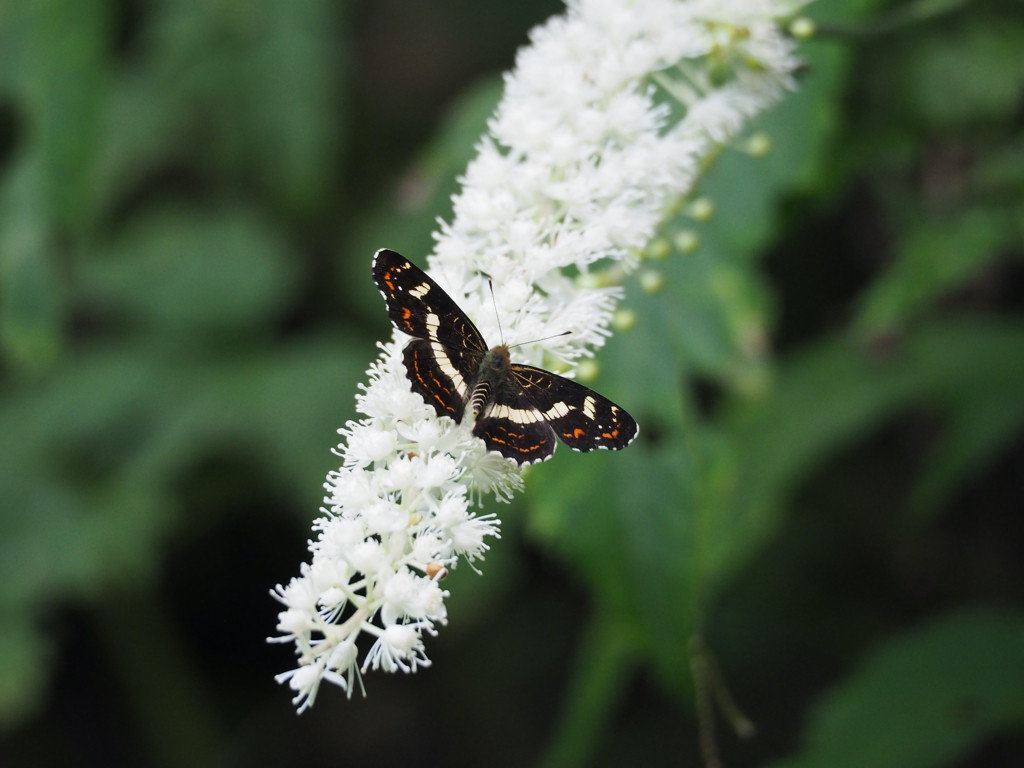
{"x": 420, "y": 307}
{"x": 444, "y": 356}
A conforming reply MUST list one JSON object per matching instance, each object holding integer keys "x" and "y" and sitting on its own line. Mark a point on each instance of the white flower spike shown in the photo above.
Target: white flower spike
{"x": 583, "y": 158}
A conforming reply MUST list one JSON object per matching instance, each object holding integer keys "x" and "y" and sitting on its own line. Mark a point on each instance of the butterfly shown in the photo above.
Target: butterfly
{"x": 519, "y": 410}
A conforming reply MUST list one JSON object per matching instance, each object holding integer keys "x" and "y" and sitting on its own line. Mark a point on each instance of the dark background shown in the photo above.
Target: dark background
{"x": 830, "y": 383}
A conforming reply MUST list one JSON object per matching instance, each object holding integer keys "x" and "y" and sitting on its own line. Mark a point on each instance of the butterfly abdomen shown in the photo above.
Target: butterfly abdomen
{"x": 493, "y": 372}
{"x": 481, "y": 394}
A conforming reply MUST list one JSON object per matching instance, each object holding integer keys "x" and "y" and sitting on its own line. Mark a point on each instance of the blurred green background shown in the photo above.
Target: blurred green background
{"x": 823, "y": 516}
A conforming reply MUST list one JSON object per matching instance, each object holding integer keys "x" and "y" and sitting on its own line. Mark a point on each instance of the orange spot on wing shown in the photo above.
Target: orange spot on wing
{"x": 578, "y": 433}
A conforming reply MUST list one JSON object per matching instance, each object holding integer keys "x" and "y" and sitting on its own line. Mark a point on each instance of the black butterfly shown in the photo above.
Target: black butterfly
{"x": 519, "y": 409}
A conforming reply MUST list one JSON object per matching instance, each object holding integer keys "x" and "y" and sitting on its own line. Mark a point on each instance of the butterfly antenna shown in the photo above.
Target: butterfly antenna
{"x": 494, "y": 301}
{"x": 564, "y": 333}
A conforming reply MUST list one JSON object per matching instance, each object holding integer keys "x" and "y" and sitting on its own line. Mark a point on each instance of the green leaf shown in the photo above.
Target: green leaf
{"x": 985, "y": 411}
{"x": 626, "y": 521}
{"x": 637, "y": 367}
{"x": 640, "y": 524}
{"x": 833, "y": 393}
{"x": 31, "y": 307}
{"x": 1000, "y": 171}
{"x": 65, "y": 80}
{"x": 13, "y": 39}
{"x": 841, "y": 12}
{"x": 285, "y": 408}
{"x": 292, "y": 89}
{"x": 78, "y": 513}
{"x": 714, "y": 316}
{"x": 923, "y": 699}
{"x": 258, "y": 80}
{"x": 969, "y": 73}
{"x": 934, "y": 258}
{"x": 181, "y": 271}
{"x": 475, "y": 597}
{"x": 24, "y": 657}
{"x": 140, "y": 133}
{"x": 89, "y": 459}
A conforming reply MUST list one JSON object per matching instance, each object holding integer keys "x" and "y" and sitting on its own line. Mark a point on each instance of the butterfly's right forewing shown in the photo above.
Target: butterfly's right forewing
{"x": 582, "y": 419}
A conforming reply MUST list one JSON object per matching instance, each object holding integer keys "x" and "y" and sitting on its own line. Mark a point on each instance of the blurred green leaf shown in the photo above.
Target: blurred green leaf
{"x": 831, "y": 13}
{"x": 140, "y": 135}
{"x": 476, "y": 597}
{"x": 626, "y": 521}
{"x": 933, "y": 259}
{"x": 24, "y": 657}
{"x": 894, "y": 18}
{"x": 88, "y": 462}
{"x": 13, "y": 21}
{"x": 638, "y": 368}
{"x": 257, "y": 83}
{"x": 77, "y": 515}
{"x": 31, "y": 307}
{"x": 1000, "y": 171}
{"x": 180, "y": 271}
{"x": 65, "y": 80}
{"x": 968, "y": 73}
{"x": 985, "y": 412}
{"x": 923, "y": 699}
{"x": 284, "y": 408}
{"x": 714, "y": 313}
{"x": 833, "y": 393}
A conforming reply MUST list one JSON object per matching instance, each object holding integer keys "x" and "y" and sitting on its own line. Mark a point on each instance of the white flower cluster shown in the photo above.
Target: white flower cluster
{"x": 583, "y": 158}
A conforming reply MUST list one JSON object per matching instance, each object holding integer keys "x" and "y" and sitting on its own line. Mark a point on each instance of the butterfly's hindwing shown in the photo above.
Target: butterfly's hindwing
{"x": 514, "y": 428}
{"x": 582, "y": 419}
{"x": 523, "y": 443}
{"x": 431, "y": 380}
{"x": 420, "y": 307}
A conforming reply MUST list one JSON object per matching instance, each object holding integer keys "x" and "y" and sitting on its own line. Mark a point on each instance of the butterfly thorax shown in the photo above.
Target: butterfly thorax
{"x": 493, "y": 373}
